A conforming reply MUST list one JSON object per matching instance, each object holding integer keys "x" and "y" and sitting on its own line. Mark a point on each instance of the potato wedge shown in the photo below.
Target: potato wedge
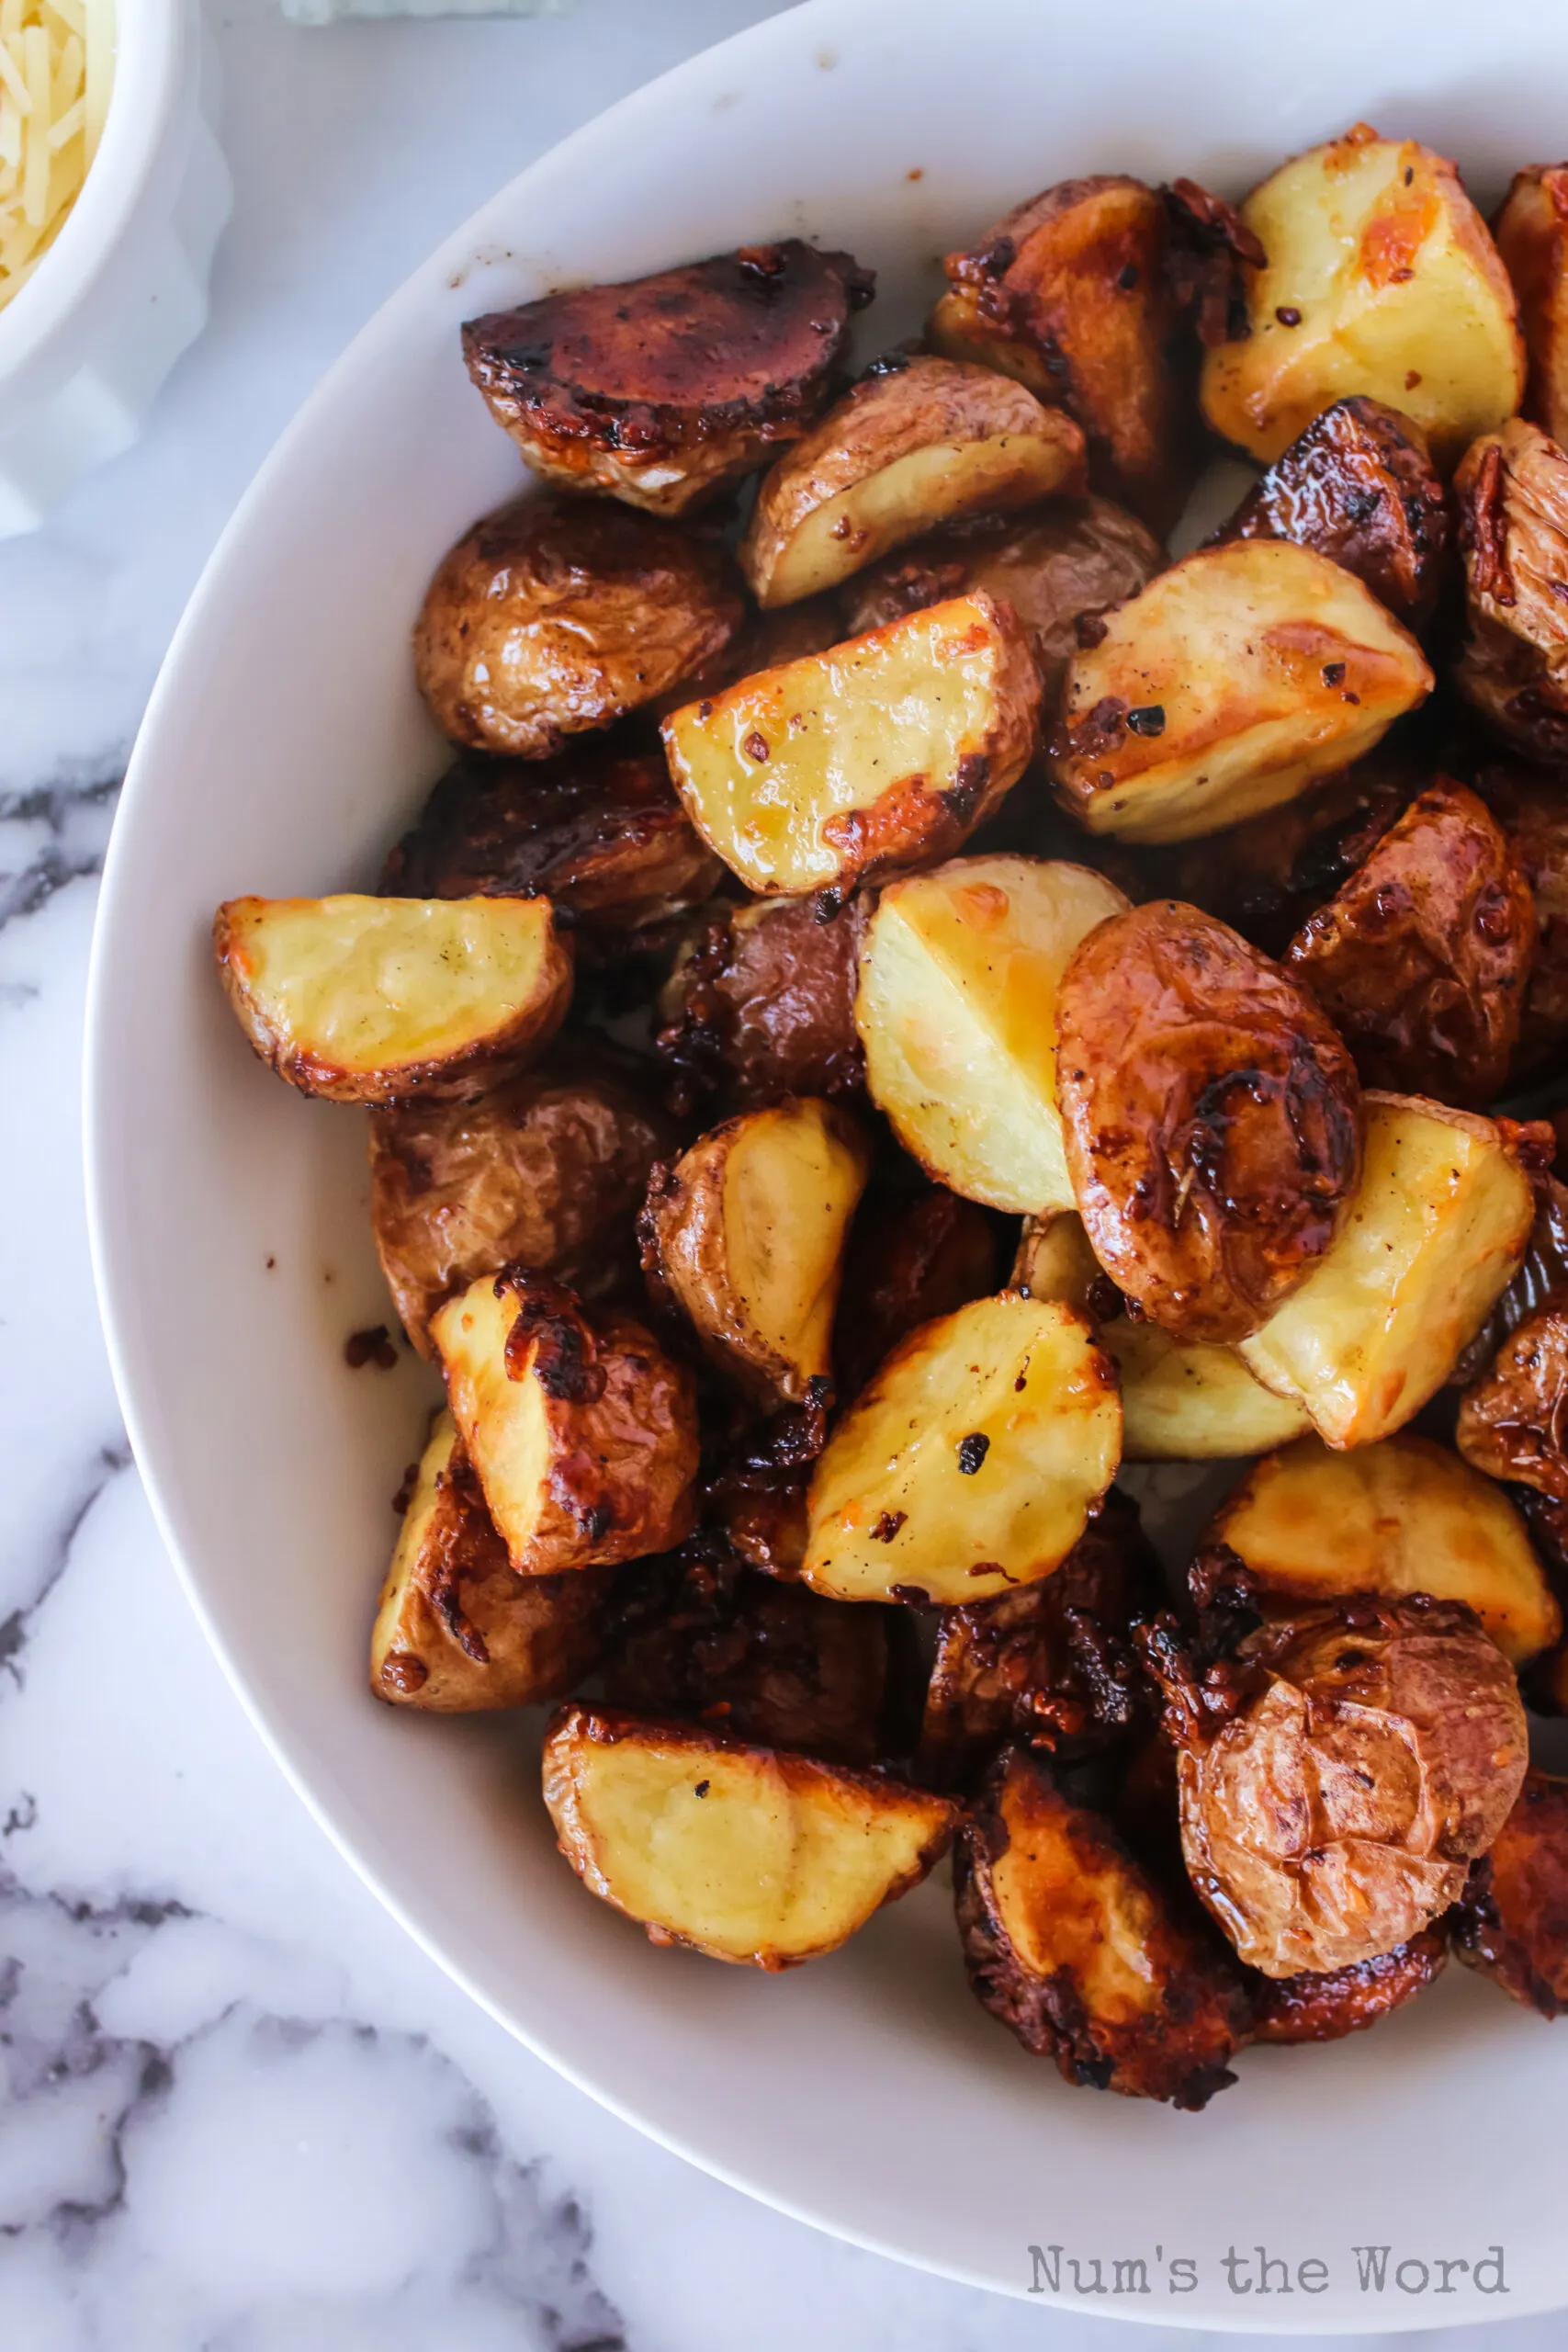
{"x": 747, "y": 1854}
{"x": 746, "y": 1232}
{"x": 583, "y": 1433}
{"x": 973, "y": 1460}
{"x": 956, "y": 1010}
{"x": 1325, "y": 2007}
{"x": 908, "y": 1261}
{"x": 1437, "y": 1230}
{"x": 1529, "y": 230}
{"x": 915, "y": 443}
{"x": 558, "y": 615}
{"x": 669, "y": 389}
{"x": 1309, "y": 1524}
{"x": 383, "y": 999}
{"x": 1513, "y": 1421}
{"x": 455, "y": 1629}
{"x": 1531, "y": 806}
{"x": 1512, "y": 495}
{"x": 762, "y": 1001}
{"x": 884, "y": 753}
{"x": 1511, "y": 1923}
{"x": 1227, "y": 686}
{"x": 1382, "y": 279}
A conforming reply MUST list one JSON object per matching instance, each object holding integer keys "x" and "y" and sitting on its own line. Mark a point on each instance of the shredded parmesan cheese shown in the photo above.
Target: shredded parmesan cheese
{"x": 56, "y": 66}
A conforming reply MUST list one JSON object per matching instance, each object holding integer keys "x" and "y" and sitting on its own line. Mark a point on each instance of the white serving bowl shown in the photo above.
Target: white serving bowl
{"x": 284, "y": 746}
{"x": 87, "y": 342}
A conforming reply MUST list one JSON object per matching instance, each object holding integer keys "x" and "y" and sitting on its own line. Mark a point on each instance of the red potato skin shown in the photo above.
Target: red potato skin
{"x": 907, "y": 1263}
{"x": 766, "y": 1009}
{"x": 1512, "y": 1923}
{"x": 1531, "y": 806}
{"x": 1511, "y": 497}
{"x": 1326, "y": 2007}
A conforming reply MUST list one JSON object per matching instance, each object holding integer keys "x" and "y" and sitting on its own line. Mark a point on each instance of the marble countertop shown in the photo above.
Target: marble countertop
{"x": 242, "y": 2114}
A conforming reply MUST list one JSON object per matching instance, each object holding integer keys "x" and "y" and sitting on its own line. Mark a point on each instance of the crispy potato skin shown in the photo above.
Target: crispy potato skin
{"x": 761, "y": 1003}
{"x": 1529, "y": 228}
{"x": 1053, "y": 565}
{"x": 1327, "y": 2007}
{"x": 554, "y": 617}
{"x": 907, "y": 1261}
{"x": 914, "y": 443}
{"x": 1511, "y": 493}
{"x": 1543, "y": 1270}
{"x": 1423, "y": 959}
{"x": 1069, "y": 293}
{"x": 549, "y": 1170}
{"x": 1359, "y": 487}
{"x": 1531, "y": 806}
{"x": 1075, "y": 1948}
{"x": 667, "y": 390}
{"x": 1512, "y": 1922}
{"x": 1513, "y": 1420}
{"x": 1212, "y": 1119}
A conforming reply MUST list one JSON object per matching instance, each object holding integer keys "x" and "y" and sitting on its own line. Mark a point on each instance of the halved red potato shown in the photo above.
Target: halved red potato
{"x": 1531, "y": 230}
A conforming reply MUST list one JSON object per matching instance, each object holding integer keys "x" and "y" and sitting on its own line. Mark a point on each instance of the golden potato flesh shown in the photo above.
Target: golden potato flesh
{"x": 971, "y": 1462}
{"x": 583, "y": 1433}
{"x": 456, "y": 1629}
{"x": 747, "y": 1232}
{"x": 911, "y": 446}
{"x": 1512, "y": 495}
{"x": 885, "y": 752}
{"x": 1380, "y": 277}
{"x": 748, "y": 1854}
{"x": 1234, "y": 679}
{"x": 956, "y": 1010}
{"x": 1530, "y": 230}
{"x": 1405, "y": 1516}
{"x": 1437, "y": 1230}
{"x": 382, "y": 1000}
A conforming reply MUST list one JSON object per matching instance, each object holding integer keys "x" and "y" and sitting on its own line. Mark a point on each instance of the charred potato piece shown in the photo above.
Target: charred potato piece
{"x": 1512, "y": 1923}
{"x": 383, "y": 999}
{"x": 1359, "y": 487}
{"x": 1212, "y": 1120}
{"x": 584, "y": 1434}
{"x": 1423, "y": 959}
{"x": 1531, "y": 806}
{"x": 1227, "y": 686}
{"x": 1071, "y": 1943}
{"x": 548, "y": 1172}
{"x": 762, "y": 1001}
{"x": 746, "y": 1233}
{"x": 957, "y": 1011}
{"x": 755, "y": 1496}
{"x": 1339, "y": 1777}
{"x": 914, "y": 444}
{"x": 455, "y": 1629}
{"x": 1528, "y": 228}
{"x": 667, "y": 390}
{"x": 748, "y": 1854}
{"x": 1327, "y": 2007}
{"x": 1308, "y": 1525}
{"x": 907, "y": 1261}
{"x": 1437, "y": 1230}
{"x": 884, "y": 753}
{"x": 554, "y": 616}
{"x": 1512, "y": 497}
{"x": 972, "y": 1461}
{"x": 1513, "y": 1420}
{"x": 1544, "y": 1269}
{"x": 1069, "y": 293}
{"x": 1382, "y": 279}
{"x": 1044, "y": 1667}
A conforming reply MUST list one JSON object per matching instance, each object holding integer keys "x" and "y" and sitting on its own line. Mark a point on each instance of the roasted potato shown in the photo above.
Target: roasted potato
{"x": 556, "y": 616}
{"x": 1053, "y": 1260}
{"x": 748, "y": 1854}
{"x": 1359, "y": 487}
{"x": 1055, "y": 566}
{"x": 1544, "y": 1269}
{"x": 1513, "y": 1420}
{"x": 956, "y": 1009}
{"x": 1233, "y": 681}
{"x": 909, "y": 1259}
{"x": 1337, "y": 1777}
{"x": 746, "y": 1234}
{"x": 1074, "y": 1946}
{"x": 884, "y": 753}
{"x": 753, "y": 1499}
{"x": 1212, "y": 1120}
{"x": 1380, "y": 277}
{"x": 1317, "y": 2007}
{"x": 1437, "y": 1230}
{"x": 385, "y": 1000}
{"x": 456, "y": 1630}
{"x": 917, "y": 441}
{"x": 1512, "y": 496}
{"x": 1528, "y": 228}
{"x": 547, "y": 1171}
{"x": 1045, "y": 1666}
{"x": 1423, "y": 958}
{"x": 1531, "y": 806}
{"x": 1308, "y": 1525}
{"x": 762, "y": 1001}
{"x": 669, "y": 389}
{"x": 1069, "y": 294}
{"x": 1512, "y": 1922}
{"x": 972, "y": 1462}
{"x": 582, "y": 1433}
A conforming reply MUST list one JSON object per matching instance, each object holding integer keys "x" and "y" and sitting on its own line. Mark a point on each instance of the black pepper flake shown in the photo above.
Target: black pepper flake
{"x": 702, "y": 1788}
{"x": 1128, "y": 278}
{"x": 755, "y": 746}
{"x": 888, "y": 1525}
{"x": 1147, "y": 719}
{"x": 1288, "y": 315}
{"x": 972, "y": 1452}
{"x": 1333, "y": 673}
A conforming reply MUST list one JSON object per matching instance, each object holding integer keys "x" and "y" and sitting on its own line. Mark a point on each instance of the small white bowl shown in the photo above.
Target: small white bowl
{"x": 87, "y": 342}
